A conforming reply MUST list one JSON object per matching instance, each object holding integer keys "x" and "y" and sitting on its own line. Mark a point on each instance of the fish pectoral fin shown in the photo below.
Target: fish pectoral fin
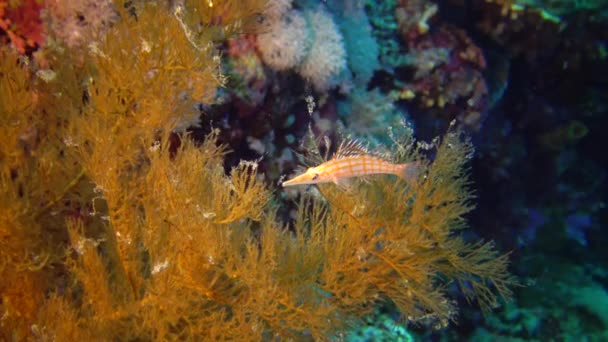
{"x": 366, "y": 179}
{"x": 343, "y": 183}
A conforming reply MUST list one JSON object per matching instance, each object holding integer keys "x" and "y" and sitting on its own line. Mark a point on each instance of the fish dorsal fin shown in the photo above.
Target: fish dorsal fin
{"x": 349, "y": 148}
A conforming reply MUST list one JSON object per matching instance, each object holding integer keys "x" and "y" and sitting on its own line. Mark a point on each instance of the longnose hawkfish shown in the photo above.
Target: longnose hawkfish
{"x": 352, "y": 160}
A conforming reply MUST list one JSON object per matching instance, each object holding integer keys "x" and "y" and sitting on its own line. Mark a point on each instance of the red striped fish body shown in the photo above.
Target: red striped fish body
{"x": 355, "y": 166}
{"x": 350, "y": 161}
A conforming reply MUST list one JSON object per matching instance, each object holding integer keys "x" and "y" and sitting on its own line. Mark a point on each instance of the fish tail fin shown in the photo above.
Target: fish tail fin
{"x": 409, "y": 171}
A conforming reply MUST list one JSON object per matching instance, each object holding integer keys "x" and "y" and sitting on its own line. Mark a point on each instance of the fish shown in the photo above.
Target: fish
{"x": 350, "y": 161}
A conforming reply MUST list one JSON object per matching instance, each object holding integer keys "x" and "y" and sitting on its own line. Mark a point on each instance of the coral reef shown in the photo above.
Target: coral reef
{"x": 448, "y": 76}
{"x": 566, "y": 302}
{"x": 384, "y": 27}
{"x": 143, "y": 144}
{"x": 116, "y": 225}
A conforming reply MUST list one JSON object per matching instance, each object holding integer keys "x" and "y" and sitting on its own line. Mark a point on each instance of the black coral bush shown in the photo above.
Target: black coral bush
{"x": 109, "y": 230}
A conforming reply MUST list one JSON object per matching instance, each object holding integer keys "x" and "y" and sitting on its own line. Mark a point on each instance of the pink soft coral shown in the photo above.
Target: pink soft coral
{"x": 78, "y": 21}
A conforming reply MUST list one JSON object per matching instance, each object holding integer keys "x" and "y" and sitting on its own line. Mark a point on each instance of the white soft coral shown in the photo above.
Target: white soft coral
{"x": 283, "y": 45}
{"x": 310, "y": 43}
{"x": 277, "y": 8}
{"x": 327, "y": 56}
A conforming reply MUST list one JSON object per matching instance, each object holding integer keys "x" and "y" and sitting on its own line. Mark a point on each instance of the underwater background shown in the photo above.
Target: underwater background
{"x": 143, "y": 145}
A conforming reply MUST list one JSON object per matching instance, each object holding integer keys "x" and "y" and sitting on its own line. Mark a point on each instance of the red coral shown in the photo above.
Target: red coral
{"x": 22, "y": 24}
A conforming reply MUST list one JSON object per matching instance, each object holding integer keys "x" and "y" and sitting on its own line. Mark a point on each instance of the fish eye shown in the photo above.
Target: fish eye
{"x": 315, "y": 177}
{"x": 260, "y": 18}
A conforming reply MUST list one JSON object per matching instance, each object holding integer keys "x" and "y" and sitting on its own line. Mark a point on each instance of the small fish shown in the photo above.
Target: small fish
{"x": 352, "y": 160}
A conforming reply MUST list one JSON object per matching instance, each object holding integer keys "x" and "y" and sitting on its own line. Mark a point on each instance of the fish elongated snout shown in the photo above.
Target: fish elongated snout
{"x": 302, "y": 179}
{"x": 288, "y": 183}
